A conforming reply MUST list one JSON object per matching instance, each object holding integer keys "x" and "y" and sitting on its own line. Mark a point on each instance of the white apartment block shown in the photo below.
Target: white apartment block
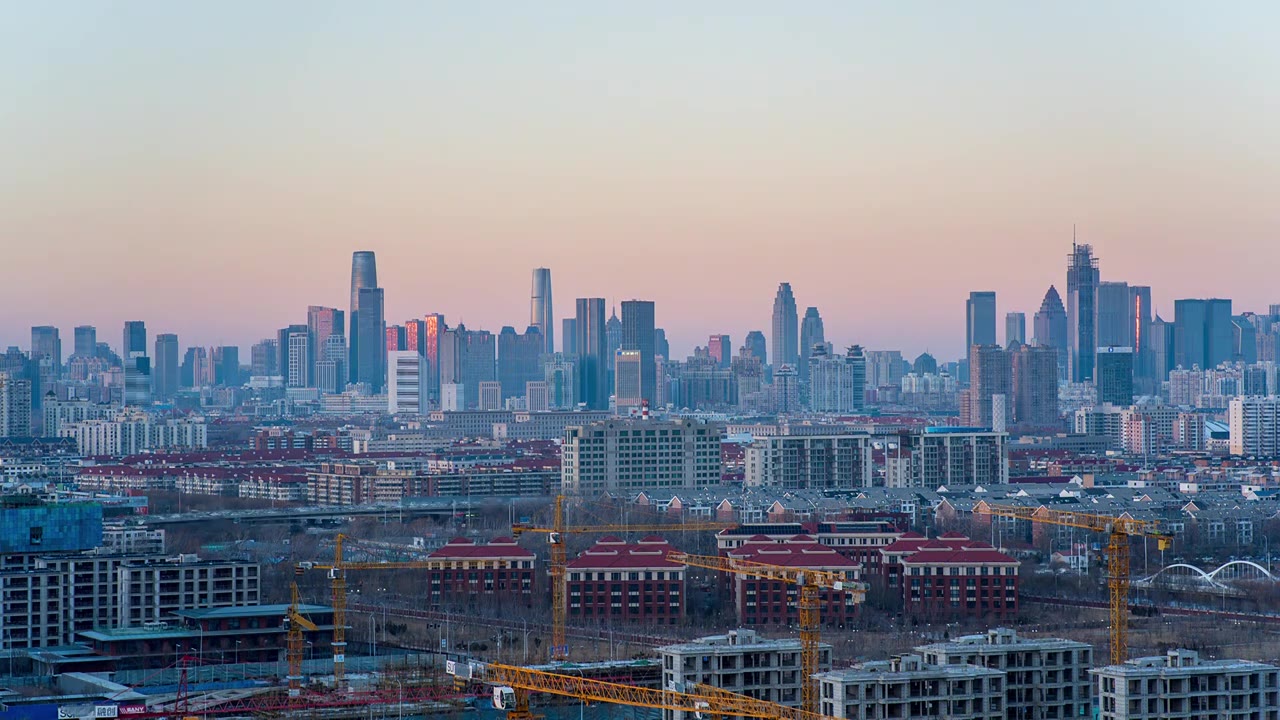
{"x": 129, "y": 434}
{"x": 406, "y": 382}
{"x": 1181, "y": 686}
{"x": 1045, "y": 678}
{"x": 741, "y": 662}
{"x": 942, "y": 456}
{"x": 1254, "y": 423}
{"x": 906, "y": 688}
{"x": 629, "y": 456}
{"x": 809, "y": 462}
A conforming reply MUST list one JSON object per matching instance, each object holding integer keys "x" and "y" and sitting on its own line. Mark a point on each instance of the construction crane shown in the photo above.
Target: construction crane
{"x": 296, "y": 622}
{"x": 1118, "y": 530}
{"x": 512, "y": 686}
{"x": 811, "y": 584}
{"x": 338, "y": 590}
{"x": 559, "y": 559}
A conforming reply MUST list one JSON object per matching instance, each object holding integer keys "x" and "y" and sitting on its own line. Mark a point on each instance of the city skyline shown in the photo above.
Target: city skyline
{"x": 627, "y": 173}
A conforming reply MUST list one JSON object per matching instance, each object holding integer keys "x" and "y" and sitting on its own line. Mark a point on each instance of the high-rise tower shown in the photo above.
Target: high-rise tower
{"x": 979, "y": 321}
{"x": 371, "y": 331}
{"x": 638, "y": 336}
{"x": 811, "y": 333}
{"x": 541, "y": 314}
{"x": 135, "y": 338}
{"x": 364, "y": 276}
{"x": 592, "y": 346}
{"x": 1050, "y": 326}
{"x": 1082, "y": 297}
{"x": 164, "y": 373}
{"x": 786, "y": 327}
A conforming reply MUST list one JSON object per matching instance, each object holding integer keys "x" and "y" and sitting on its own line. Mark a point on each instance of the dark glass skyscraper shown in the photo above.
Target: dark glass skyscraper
{"x": 371, "y": 329}
{"x": 1050, "y": 326}
{"x": 86, "y": 341}
{"x": 786, "y": 327}
{"x": 364, "y": 276}
{"x": 1202, "y": 332}
{"x": 592, "y": 346}
{"x": 812, "y": 333}
{"x": 323, "y": 322}
{"x": 164, "y": 375}
{"x": 637, "y": 335}
{"x": 661, "y": 348}
{"x": 135, "y": 338}
{"x": 541, "y": 313}
{"x": 1082, "y": 296}
{"x": 46, "y": 347}
{"x": 1115, "y": 375}
{"x": 433, "y": 328}
{"x": 569, "y": 336}
{"x": 756, "y": 345}
{"x": 979, "y": 321}
{"x": 1115, "y": 315}
{"x": 519, "y": 359}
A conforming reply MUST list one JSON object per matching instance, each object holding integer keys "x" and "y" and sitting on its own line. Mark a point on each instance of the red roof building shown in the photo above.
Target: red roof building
{"x": 617, "y": 581}
{"x": 951, "y": 576}
{"x": 463, "y": 572}
{"x": 765, "y": 602}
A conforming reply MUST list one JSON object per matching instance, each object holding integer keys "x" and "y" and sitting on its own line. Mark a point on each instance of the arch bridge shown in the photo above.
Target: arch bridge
{"x": 1227, "y": 578}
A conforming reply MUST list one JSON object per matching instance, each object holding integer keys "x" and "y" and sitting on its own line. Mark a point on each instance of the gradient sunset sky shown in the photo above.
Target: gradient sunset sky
{"x": 210, "y": 167}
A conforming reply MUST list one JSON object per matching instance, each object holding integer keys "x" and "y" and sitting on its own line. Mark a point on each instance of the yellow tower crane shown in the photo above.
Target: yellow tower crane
{"x": 559, "y": 559}
{"x": 811, "y": 584}
{"x": 296, "y": 622}
{"x": 338, "y": 589}
{"x": 513, "y": 684}
{"x": 1118, "y": 531}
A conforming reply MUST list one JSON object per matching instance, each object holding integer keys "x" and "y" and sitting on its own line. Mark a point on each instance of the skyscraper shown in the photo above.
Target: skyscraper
{"x": 1202, "y": 333}
{"x": 46, "y": 349}
{"x": 321, "y": 323}
{"x": 811, "y": 333}
{"x": 264, "y": 358}
{"x": 1082, "y": 295}
{"x": 519, "y": 359}
{"x": 435, "y": 327}
{"x": 397, "y": 338}
{"x": 755, "y": 344}
{"x": 1163, "y": 349}
{"x": 1035, "y": 386}
{"x": 1051, "y": 327}
{"x": 637, "y": 335}
{"x": 1115, "y": 375}
{"x": 1244, "y": 339}
{"x": 721, "y": 349}
{"x": 364, "y": 276}
{"x": 786, "y": 327}
{"x": 406, "y": 391}
{"x": 1143, "y": 363}
{"x": 1015, "y": 329}
{"x": 979, "y": 320}
{"x": 86, "y": 341}
{"x": 541, "y": 314}
{"x": 467, "y": 360}
{"x": 661, "y": 348}
{"x": 226, "y": 366}
{"x": 415, "y": 336}
{"x": 613, "y": 336}
{"x": 137, "y": 379}
{"x": 298, "y": 363}
{"x": 990, "y": 381}
{"x": 1115, "y": 315}
{"x": 371, "y": 329}
{"x": 135, "y": 338}
{"x": 592, "y": 346}
{"x": 164, "y": 379}
{"x": 15, "y": 405}
{"x": 569, "y": 337}
{"x": 838, "y": 384}
{"x": 331, "y": 370}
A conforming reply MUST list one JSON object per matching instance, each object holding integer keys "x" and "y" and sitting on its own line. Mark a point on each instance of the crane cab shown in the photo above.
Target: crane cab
{"x": 504, "y": 698}
{"x": 1164, "y": 542}
{"x": 700, "y": 708}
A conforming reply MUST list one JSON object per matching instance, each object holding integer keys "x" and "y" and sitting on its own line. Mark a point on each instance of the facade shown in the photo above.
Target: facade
{"x": 129, "y": 433}
{"x": 15, "y": 405}
{"x": 541, "y": 312}
{"x": 838, "y": 384}
{"x": 569, "y": 336}
{"x": 467, "y": 360}
{"x": 406, "y": 382}
{"x": 592, "y": 347}
{"x": 720, "y": 348}
{"x": 1180, "y": 686}
{"x": 1115, "y": 375}
{"x": 368, "y": 344}
{"x": 1115, "y": 315}
{"x": 298, "y": 361}
{"x": 364, "y": 276}
{"x": 86, "y": 341}
{"x": 627, "y": 456}
{"x": 742, "y": 662}
{"x": 519, "y": 359}
{"x": 615, "y": 581}
{"x": 135, "y": 338}
{"x": 1202, "y": 333}
{"x": 489, "y": 395}
{"x": 757, "y": 347}
{"x": 907, "y": 688}
{"x": 1035, "y": 386}
{"x": 638, "y": 337}
{"x": 941, "y": 456}
{"x": 324, "y": 323}
{"x": 1254, "y": 424}
{"x": 1045, "y": 678}
{"x": 1015, "y": 329}
{"x": 772, "y": 602}
{"x": 463, "y": 572}
{"x": 810, "y": 462}
{"x": 1082, "y": 295}
{"x": 979, "y": 321}
{"x": 990, "y": 380}
{"x": 560, "y": 373}
{"x": 786, "y": 327}
{"x": 137, "y": 379}
{"x": 363, "y": 483}
{"x": 628, "y": 371}
{"x": 858, "y": 540}
{"x": 951, "y": 577}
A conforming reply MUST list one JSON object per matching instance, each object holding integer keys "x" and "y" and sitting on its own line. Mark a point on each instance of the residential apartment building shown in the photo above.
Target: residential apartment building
{"x": 133, "y": 433}
{"x": 1254, "y": 424}
{"x": 627, "y": 456}
{"x": 616, "y": 581}
{"x": 463, "y": 572}
{"x": 943, "y": 456}
{"x": 809, "y": 462}
{"x": 858, "y": 540}
{"x": 907, "y": 688}
{"x": 768, "y": 602}
{"x": 742, "y": 662}
{"x": 951, "y": 576}
{"x": 1181, "y": 686}
{"x": 1045, "y": 678}
{"x": 363, "y": 483}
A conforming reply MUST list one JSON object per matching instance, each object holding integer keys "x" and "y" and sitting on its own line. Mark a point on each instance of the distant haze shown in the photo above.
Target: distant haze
{"x": 210, "y": 167}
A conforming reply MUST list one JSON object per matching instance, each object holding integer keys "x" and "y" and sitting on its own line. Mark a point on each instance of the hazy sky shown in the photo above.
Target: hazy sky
{"x": 210, "y": 167}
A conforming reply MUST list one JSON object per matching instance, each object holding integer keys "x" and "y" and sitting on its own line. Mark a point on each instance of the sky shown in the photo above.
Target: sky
{"x": 210, "y": 167}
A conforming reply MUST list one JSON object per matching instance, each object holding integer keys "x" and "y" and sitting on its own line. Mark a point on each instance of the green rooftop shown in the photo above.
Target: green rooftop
{"x": 240, "y": 611}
